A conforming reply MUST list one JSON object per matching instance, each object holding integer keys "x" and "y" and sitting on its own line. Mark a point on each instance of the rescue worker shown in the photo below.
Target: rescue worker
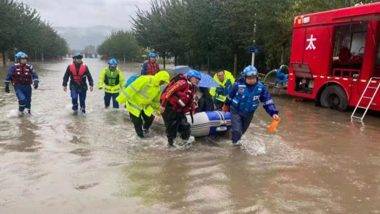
{"x": 111, "y": 79}
{"x": 150, "y": 67}
{"x": 225, "y": 80}
{"x": 243, "y": 100}
{"x": 142, "y": 100}
{"x": 177, "y": 100}
{"x": 22, "y": 75}
{"x": 281, "y": 76}
{"x": 78, "y": 73}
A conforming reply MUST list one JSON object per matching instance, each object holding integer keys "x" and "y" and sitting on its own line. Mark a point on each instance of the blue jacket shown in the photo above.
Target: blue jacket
{"x": 224, "y": 90}
{"x": 12, "y": 69}
{"x": 246, "y": 98}
{"x": 281, "y": 77}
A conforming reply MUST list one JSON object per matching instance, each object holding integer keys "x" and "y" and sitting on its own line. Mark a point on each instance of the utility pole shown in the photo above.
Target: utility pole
{"x": 253, "y": 56}
{"x": 254, "y": 36}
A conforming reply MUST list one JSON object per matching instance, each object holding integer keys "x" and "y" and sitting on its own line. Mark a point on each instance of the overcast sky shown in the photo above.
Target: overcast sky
{"x": 84, "y": 13}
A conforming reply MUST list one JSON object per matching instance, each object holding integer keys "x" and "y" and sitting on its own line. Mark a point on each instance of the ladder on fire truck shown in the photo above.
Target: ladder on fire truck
{"x": 372, "y": 89}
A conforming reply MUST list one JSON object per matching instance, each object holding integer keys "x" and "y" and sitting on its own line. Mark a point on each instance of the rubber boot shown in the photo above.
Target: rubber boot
{"x": 170, "y": 143}
{"x": 187, "y": 143}
{"x": 146, "y": 132}
{"x": 238, "y": 143}
{"x": 28, "y": 112}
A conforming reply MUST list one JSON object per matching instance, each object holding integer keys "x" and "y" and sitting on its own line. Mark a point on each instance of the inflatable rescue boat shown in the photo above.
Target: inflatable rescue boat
{"x": 206, "y": 123}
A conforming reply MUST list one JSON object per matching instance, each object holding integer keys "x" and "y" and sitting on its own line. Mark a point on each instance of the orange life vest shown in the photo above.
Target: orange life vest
{"x": 78, "y": 74}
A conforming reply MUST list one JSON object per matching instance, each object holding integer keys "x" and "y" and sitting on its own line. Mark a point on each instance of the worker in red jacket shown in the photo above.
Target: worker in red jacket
{"x": 150, "y": 67}
{"x": 78, "y": 73}
{"x": 177, "y": 100}
{"x": 22, "y": 75}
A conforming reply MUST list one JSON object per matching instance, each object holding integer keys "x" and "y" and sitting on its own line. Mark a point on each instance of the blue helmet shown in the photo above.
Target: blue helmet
{"x": 112, "y": 62}
{"x": 21, "y": 55}
{"x": 250, "y": 71}
{"x": 152, "y": 55}
{"x": 193, "y": 73}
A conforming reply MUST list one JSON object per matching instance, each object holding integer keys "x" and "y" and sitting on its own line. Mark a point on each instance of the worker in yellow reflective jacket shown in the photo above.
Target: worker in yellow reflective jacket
{"x": 225, "y": 80}
{"x": 142, "y": 100}
{"x": 111, "y": 79}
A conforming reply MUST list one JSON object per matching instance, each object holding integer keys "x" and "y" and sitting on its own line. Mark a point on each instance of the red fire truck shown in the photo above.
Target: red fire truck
{"x": 335, "y": 57}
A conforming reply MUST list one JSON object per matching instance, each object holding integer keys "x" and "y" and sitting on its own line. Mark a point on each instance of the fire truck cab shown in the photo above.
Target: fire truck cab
{"x": 335, "y": 57}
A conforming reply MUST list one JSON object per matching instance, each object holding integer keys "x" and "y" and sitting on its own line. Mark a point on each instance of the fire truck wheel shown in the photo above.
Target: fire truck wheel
{"x": 334, "y": 97}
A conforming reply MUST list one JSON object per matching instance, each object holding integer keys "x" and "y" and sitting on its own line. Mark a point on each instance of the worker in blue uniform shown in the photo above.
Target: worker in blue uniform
{"x": 244, "y": 99}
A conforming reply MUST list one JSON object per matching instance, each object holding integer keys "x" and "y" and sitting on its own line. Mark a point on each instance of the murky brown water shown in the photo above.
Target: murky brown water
{"x": 53, "y": 162}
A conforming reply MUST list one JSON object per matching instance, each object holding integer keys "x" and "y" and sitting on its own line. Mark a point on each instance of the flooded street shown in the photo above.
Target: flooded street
{"x": 318, "y": 162}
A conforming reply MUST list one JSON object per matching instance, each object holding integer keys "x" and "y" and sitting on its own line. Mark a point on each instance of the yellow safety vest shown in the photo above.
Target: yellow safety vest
{"x": 111, "y": 81}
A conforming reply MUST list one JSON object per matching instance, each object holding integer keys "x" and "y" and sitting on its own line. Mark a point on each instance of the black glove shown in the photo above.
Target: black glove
{"x": 35, "y": 84}
{"x": 7, "y": 90}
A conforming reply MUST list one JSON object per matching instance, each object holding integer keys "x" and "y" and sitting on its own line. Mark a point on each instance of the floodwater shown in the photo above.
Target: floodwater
{"x": 54, "y": 162}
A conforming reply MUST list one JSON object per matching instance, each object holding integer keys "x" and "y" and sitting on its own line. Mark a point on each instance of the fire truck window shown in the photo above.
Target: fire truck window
{"x": 377, "y": 67}
{"x": 349, "y": 45}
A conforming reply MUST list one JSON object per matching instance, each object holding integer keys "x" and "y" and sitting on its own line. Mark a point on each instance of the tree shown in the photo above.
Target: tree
{"x": 215, "y": 34}
{"x": 122, "y": 45}
{"x": 21, "y": 28}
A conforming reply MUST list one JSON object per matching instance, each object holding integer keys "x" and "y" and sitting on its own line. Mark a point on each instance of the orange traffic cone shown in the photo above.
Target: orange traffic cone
{"x": 272, "y": 128}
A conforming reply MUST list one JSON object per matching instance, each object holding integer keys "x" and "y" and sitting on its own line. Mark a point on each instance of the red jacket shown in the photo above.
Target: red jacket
{"x": 180, "y": 95}
{"x": 150, "y": 68}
